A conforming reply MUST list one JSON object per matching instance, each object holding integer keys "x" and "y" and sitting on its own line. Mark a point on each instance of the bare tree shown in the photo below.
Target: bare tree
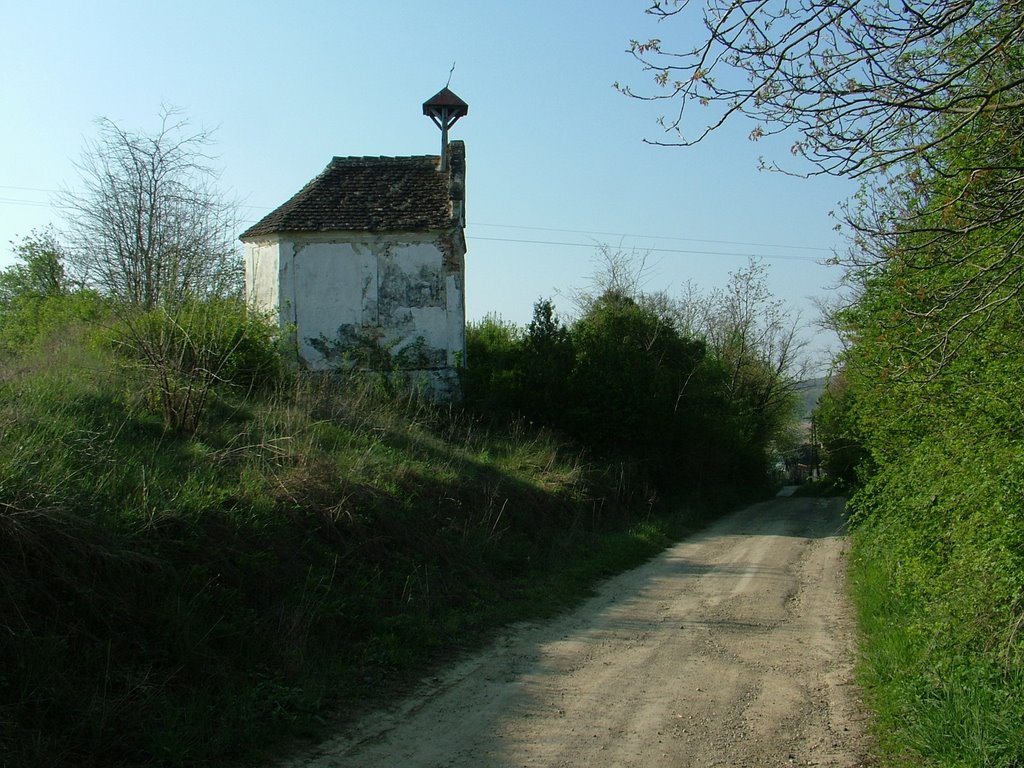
{"x": 861, "y": 82}
{"x": 755, "y": 333}
{"x": 757, "y": 342}
{"x": 147, "y": 224}
{"x": 148, "y": 228}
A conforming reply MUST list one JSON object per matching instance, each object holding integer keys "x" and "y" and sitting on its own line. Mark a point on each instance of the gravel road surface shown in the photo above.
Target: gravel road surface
{"x": 733, "y": 648}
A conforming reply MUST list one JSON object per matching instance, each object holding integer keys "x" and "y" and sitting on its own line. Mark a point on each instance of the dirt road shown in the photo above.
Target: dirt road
{"x": 731, "y": 649}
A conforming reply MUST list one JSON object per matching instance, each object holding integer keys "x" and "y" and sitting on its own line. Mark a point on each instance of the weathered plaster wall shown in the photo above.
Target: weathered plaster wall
{"x": 456, "y": 315}
{"x": 333, "y": 285}
{"x": 403, "y": 292}
{"x": 262, "y": 274}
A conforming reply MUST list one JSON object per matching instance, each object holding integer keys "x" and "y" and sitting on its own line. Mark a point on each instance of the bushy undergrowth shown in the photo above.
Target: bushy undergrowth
{"x": 629, "y": 378}
{"x": 938, "y": 562}
{"x": 939, "y": 576}
{"x": 924, "y": 420}
{"x": 939, "y": 542}
{"x": 180, "y": 597}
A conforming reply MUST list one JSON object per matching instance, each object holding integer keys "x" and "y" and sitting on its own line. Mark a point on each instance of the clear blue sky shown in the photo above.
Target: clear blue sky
{"x": 554, "y": 153}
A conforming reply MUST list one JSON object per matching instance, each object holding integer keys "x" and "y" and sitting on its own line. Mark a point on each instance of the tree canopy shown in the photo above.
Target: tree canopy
{"x": 862, "y": 84}
{"x": 921, "y": 100}
{"x": 38, "y": 270}
{"x": 699, "y": 389}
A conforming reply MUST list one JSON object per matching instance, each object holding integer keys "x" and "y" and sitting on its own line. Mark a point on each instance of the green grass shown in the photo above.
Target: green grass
{"x": 173, "y": 599}
{"x": 932, "y": 707}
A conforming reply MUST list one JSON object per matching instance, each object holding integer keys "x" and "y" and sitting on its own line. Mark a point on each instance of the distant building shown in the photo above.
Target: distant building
{"x": 367, "y": 263}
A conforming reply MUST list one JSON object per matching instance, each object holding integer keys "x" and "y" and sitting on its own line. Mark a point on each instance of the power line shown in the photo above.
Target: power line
{"x": 768, "y": 256}
{"x": 57, "y": 191}
{"x": 654, "y": 237}
{"x": 27, "y": 189}
{"x": 32, "y": 203}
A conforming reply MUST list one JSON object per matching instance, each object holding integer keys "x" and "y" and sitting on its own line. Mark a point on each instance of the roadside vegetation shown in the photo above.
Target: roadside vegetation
{"x": 205, "y": 552}
{"x": 923, "y": 423}
{"x": 701, "y": 391}
{"x": 175, "y": 597}
{"x": 178, "y": 593}
{"x": 923, "y": 420}
{"x": 923, "y": 103}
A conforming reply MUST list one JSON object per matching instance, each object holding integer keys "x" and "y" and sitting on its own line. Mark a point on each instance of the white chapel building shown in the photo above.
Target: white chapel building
{"x": 367, "y": 261}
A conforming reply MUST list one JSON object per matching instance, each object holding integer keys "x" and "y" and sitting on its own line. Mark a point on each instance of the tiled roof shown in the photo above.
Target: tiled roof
{"x": 371, "y": 194}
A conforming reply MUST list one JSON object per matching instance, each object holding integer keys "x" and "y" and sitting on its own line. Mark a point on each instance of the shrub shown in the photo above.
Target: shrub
{"x": 492, "y": 374}
{"x": 187, "y": 354}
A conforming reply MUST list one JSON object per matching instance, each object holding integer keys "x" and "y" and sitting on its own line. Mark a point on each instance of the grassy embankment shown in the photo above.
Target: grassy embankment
{"x": 936, "y": 573}
{"x": 173, "y": 599}
{"x": 937, "y": 567}
{"x": 938, "y": 579}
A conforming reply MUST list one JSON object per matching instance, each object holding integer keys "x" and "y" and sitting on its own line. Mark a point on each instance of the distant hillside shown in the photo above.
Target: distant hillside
{"x": 809, "y": 391}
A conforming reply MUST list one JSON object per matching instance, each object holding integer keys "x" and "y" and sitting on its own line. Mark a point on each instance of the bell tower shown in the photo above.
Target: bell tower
{"x": 445, "y": 108}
